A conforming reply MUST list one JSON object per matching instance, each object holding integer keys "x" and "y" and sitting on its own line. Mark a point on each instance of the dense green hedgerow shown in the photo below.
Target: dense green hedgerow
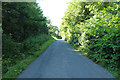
{"x": 24, "y": 29}
{"x": 94, "y": 28}
{"x": 15, "y": 70}
{"x": 14, "y": 51}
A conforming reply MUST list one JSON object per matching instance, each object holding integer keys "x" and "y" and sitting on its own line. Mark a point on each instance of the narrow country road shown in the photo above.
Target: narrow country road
{"x": 60, "y": 60}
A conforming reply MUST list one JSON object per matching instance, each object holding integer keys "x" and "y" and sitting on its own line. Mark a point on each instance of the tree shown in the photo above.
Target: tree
{"x": 22, "y": 20}
{"x": 93, "y": 28}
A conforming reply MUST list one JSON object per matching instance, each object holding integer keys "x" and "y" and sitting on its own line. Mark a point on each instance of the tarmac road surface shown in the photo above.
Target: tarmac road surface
{"x": 60, "y": 60}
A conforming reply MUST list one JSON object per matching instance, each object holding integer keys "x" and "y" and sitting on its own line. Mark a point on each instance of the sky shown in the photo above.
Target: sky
{"x": 54, "y": 10}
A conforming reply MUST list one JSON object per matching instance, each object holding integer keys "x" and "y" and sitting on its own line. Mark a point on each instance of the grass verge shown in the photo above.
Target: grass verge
{"x": 15, "y": 70}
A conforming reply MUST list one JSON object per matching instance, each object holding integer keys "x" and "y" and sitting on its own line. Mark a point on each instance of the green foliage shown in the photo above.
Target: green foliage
{"x": 33, "y": 43}
{"x": 13, "y": 51}
{"x": 23, "y": 20}
{"x": 53, "y": 30}
{"x": 96, "y": 33}
{"x": 15, "y": 70}
{"x": 24, "y": 31}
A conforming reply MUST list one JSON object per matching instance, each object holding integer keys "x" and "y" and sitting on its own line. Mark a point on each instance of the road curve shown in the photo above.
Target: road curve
{"x": 60, "y": 60}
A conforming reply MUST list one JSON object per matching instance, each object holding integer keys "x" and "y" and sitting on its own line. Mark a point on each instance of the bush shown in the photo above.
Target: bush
{"x": 99, "y": 35}
{"x": 14, "y": 51}
{"x": 101, "y": 39}
{"x": 10, "y": 51}
{"x": 33, "y": 43}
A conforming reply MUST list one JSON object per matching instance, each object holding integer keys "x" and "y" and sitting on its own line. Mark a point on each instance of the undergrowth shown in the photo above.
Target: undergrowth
{"x": 19, "y": 55}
